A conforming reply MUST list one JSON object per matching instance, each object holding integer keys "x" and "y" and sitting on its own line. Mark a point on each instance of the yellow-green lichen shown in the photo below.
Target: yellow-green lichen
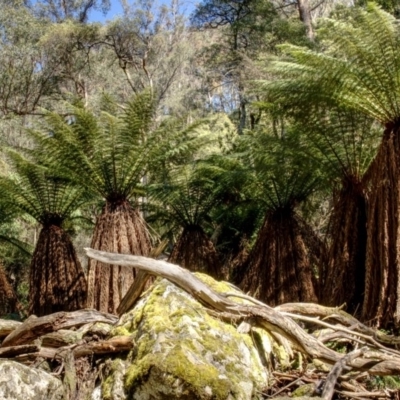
{"x": 115, "y": 369}
{"x": 176, "y": 336}
{"x": 177, "y": 364}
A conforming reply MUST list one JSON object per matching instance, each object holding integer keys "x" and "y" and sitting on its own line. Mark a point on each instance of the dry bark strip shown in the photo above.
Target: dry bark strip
{"x": 133, "y": 293}
{"x": 33, "y": 327}
{"x": 12, "y": 351}
{"x": 376, "y": 362}
{"x": 116, "y": 344}
{"x": 7, "y": 326}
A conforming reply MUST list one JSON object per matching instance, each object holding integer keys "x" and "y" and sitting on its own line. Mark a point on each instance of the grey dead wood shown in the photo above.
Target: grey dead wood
{"x": 34, "y": 327}
{"x": 7, "y": 326}
{"x": 336, "y": 372}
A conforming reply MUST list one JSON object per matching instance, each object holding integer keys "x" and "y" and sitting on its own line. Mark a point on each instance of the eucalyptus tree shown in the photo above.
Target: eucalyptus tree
{"x": 152, "y": 46}
{"x": 56, "y": 281}
{"x": 280, "y": 266}
{"x": 25, "y": 77}
{"x": 107, "y": 154}
{"x": 359, "y": 70}
{"x": 62, "y": 10}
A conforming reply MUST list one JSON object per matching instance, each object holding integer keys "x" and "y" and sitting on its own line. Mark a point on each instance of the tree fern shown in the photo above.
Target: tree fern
{"x": 57, "y": 281}
{"x": 359, "y": 70}
{"x": 279, "y": 266}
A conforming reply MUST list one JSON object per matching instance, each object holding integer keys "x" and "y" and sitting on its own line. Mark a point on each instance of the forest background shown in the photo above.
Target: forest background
{"x": 256, "y": 141}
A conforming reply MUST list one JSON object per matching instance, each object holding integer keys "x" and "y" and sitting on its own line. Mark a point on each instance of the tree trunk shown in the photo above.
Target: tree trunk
{"x": 196, "y": 252}
{"x": 57, "y": 280}
{"x": 119, "y": 229}
{"x": 305, "y": 17}
{"x": 342, "y": 279}
{"x": 8, "y": 299}
{"x": 382, "y": 284}
{"x": 278, "y": 269}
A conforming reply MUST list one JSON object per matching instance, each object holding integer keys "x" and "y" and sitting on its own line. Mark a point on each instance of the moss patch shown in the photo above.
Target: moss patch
{"x": 177, "y": 337}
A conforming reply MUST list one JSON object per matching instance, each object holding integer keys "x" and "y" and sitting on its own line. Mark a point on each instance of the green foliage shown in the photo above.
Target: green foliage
{"x": 40, "y": 192}
{"x": 358, "y": 69}
{"x": 284, "y": 175}
{"x": 185, "y": 187}
{"x": 106, "y": 154}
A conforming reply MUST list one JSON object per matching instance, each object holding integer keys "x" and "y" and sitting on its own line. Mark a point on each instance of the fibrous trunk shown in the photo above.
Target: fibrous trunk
{"x": 119, "y": 229}
{"x": 342, "y": 278}
{"x": 8, "y": 299}
{"x": 382, "y": 284}
{"x": 279, "y": 269}
{"x": 195, "y": 251}
{"x": 57, "y": 280}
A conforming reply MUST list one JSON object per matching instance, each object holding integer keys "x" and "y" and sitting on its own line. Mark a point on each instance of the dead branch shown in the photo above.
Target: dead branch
{"x": 33, "y": 327}
{"x": 7, "y": 326}
{"x": 336, "y": 371}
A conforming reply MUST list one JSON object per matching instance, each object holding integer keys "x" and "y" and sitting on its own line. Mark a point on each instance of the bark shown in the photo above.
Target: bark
{"x": 342, "y": 278}
{"x": 381, "y": 305}
{"x": 119, "y": 228}
{"x": 8, "y": 299}
{"x": 305, "y": 17}
{"x": 195, "y": 251}
{"x": 57, "y": 281}
{"x": 278, "y": 269}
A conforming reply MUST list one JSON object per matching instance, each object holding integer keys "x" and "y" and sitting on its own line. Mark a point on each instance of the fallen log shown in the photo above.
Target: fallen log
{"x": 34, "y": 327}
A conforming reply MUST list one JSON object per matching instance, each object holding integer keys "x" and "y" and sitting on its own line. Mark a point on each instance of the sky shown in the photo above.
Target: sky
{"x": 116, "y": 9}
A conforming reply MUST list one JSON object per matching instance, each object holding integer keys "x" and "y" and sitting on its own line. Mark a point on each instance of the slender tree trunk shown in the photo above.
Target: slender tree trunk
{"x": 382, "y": 284}
{"x": 278, "y": 269}
{"x": 57, "y": 280}
{"x": 343, "y": 279}
{"x": 119, "y": 229}
{"x": 305, "y": 17}
{"x": 196, "y": 252}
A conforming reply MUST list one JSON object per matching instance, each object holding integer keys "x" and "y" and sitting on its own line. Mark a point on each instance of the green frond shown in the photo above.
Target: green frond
{"x": 107, "y": 154}
{"x": 284, "y": 175}
{"x": 359, "y": 67}
{"x": 345, "y": 142}
{"x": 37, "y": 191}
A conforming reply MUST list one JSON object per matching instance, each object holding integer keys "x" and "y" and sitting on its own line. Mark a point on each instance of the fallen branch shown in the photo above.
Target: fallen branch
{"x": 33, "y": 327}
{"x": 336, "y": 371}
{"x": 7, "y": 326}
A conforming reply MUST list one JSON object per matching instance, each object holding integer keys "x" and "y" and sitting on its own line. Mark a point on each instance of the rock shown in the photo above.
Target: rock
{"x": 182, "y": 352}
{"x": 19, "y": 382}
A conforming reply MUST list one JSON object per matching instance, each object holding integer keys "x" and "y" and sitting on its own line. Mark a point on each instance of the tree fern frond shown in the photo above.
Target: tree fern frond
{"x": 359, "y": 68}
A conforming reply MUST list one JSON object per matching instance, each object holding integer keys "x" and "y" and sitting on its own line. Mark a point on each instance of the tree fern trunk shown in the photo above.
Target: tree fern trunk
{"x": 382, "y": 292}
{"x": 57, "y": 280}
{"x": 342, "y": 279}
{"x": 8, "y": 299}
{"x": 278, "y": 269}
{"x": 196, "y": 252}
{"x": 119, "y": 229}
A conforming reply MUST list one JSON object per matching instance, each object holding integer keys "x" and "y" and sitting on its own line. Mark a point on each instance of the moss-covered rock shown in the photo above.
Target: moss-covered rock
{"x": 182, "y": 352}
{"x": 19, "y": 382}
